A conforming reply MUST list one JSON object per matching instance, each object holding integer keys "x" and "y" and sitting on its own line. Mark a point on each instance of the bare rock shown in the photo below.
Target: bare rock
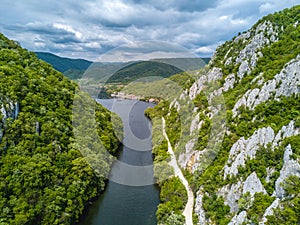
{"x": 213, "y": 75}
{"x": 231, "y": 195}
{"x": 185, "y": 157}
{"x": 228, "y": 61}
{"x": 285, "y": 83}
{"x": 199, "y": 208}
{"x": 244, "y": 68}
{"x": 290, "y": 167}
{"x": 239, "y": 219}
{"x": 229, "y": 82}
{"x": 243, "y": 37}
{"x": 195, "y": 124}
{"x": 244, "y": 149}
{"x": 253, "y": 185}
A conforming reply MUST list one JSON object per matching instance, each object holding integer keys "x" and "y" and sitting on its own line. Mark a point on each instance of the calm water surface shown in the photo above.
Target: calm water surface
{"x": 123, "y": 204}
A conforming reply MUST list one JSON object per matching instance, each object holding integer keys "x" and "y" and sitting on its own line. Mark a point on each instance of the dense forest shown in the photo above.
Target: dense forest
{"x": 71, "y": 68}
{"x": 44, "y": 178}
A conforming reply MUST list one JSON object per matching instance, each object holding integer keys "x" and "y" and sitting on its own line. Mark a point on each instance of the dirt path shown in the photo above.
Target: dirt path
{"x": 188, "y": 211}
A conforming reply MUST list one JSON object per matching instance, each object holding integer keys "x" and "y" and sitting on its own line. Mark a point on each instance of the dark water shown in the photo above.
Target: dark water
{"x": 122, "y": 203}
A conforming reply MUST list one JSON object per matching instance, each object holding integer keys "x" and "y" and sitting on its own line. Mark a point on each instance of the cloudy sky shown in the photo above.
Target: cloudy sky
{"x": 87, "y": 29}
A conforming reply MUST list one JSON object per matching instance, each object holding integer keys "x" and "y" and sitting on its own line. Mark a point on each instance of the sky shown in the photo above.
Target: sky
{"x": 89, "y": 29}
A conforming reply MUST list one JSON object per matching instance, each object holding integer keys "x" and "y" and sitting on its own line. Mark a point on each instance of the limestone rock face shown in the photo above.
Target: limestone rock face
{"x": 264, "y": 34}
{"x": 231, "y": 195}
{"x": 285, "y": 83}
{"x": 236, "y": 60}
{"x": 186, "y": 156}
{"x": 290, "y": 167}
{"x": 253, "y": 185}
{"x": 213, "y": 75}
{"x": 229, "y": 82}
{"x": 199, "y": 208}
{"x": 8, "y": 110}
{"x": 244, "y": 149}
{"x": 195, "y": 125}
{"x": 239, "y": 219}
{"x": 244, "y": 68}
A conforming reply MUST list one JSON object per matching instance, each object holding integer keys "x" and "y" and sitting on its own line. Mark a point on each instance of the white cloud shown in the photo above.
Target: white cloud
{"x": 91, "y": 27}
{"x": 68, "y": 29}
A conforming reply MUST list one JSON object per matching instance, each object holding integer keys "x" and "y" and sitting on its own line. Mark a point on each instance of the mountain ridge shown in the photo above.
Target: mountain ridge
{"x": 240, "y": 147}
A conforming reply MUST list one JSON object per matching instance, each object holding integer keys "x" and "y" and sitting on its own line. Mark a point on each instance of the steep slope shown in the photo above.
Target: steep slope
{"x": 185, "y": 64}
{"x": 44, "y": 178}
{"x": 239, "y": 147}
{"x": 72, "y": 68}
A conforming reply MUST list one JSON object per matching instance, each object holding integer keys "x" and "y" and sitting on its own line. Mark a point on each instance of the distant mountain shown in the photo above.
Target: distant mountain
{"x": 185, "y": 64}
{"x": 143, "y": 69}
{"x": 120, "y": 71}
{"x": 72, "y": 68}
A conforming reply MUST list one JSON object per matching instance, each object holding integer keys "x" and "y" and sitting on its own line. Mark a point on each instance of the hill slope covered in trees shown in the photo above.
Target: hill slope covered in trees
{"x": 72, "y": 68}
{"x": 239, "y": 149}
{"x": 44, "y": 178}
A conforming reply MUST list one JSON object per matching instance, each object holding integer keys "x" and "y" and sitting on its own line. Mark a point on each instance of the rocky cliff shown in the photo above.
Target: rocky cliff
{"x": 241, "y": 150}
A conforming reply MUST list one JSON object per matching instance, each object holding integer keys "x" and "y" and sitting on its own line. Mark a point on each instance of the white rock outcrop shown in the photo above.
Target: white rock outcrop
{"x": 213, "y": 75}
{"x": 239, "y": 219}
{"x": 195, "y": 125}
{"x": 229, "y": 82}
{"x": 199, "y": 208}
{"x": 258, "y": 41}
{"x": 290, "y": 167}
{"x": 189, "y": 153}
{"x": 285, "y": 83}
{"x": 253, "y": 185}
{"x": 8, "y": 110}
{"x": 244, "y": 149}
{"x": 244, "y": 68}
{"x": 231, "y": 195}
{"x": 250, "y": 54}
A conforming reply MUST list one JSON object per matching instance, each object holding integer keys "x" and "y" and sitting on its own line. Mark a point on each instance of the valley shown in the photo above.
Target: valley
{"x": 166, "y": 141}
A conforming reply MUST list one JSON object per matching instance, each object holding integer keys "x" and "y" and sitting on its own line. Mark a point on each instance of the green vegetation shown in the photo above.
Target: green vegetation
{"x": 216, "y": 210}
{"x": 260, "y": 203}
{"x": 185, "y": 64}
{"x": 44, "y": 179}
{"x": 275, "y": 113}
{"x": 275, "y": 56}
{"x": 145, "y": 69}
{"x": 173, "y": 199}
{"x": 72, "y": 68}
{"x": 290, "y": 212}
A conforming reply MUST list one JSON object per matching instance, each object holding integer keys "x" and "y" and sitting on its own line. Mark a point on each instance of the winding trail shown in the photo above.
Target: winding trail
{"x": 188, "y": 211}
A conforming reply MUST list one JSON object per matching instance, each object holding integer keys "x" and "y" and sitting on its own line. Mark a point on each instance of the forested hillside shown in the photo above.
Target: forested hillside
{"x": 44, "y": 179}
{"x": 140, "y": 70}
{"x": 240, "y": 148}
{"x": 71, "y": 68}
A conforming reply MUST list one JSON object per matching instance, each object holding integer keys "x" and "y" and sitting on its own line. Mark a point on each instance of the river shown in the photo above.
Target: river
{"x": 121, "y": 203}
